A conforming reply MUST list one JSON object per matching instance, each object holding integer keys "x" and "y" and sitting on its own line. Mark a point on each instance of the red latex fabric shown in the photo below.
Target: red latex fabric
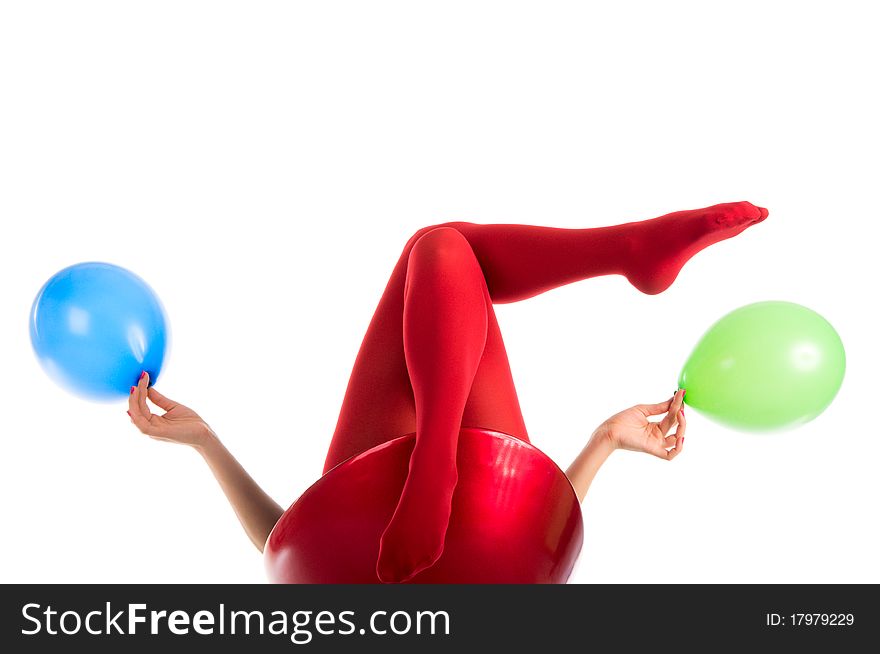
{"x": 515, "y": 518}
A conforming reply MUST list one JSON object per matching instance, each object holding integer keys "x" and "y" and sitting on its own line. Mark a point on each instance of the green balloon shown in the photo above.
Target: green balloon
{"x": 765, "y": 366}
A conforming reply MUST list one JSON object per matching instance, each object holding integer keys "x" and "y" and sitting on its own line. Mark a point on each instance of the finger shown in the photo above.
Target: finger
{"x": 682, "y": 425}
{"x": 679, "y": 441}
{"x": 655, "y": 409}
{"x": 144, "y": 424}
{"x": 658, "y": 449}
{"x": 669, "y": 421}
{"x": 134, "y": 404}
{"x": 674, "y": 413}
{"x": 675, "y": 451}
{"x": 139, "y": 421}
{"x": 160, "y": 400}
{"x": 141, "y": 393}
{"x": 672, "y": 439}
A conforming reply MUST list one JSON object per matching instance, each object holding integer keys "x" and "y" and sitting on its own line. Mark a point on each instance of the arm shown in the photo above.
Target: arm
{"x": 256, "y": 511}
{"x": 631, "y": 430}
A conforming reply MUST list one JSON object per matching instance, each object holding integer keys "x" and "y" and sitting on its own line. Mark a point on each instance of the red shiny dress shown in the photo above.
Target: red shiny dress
{"x": 515, "y": 518}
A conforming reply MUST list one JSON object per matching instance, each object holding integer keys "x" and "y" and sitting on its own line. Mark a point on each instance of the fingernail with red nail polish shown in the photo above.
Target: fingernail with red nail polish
{"x": 131, "y": 392}
{"x": 143, "y": 374}
{"x": 129, "y": 413}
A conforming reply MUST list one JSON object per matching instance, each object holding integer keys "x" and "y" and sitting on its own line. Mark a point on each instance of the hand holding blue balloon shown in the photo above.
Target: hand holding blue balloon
{"x": 95, "y": 327}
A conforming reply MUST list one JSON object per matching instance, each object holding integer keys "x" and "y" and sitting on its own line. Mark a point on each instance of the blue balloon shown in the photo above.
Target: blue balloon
{"x": 95, "y": 327}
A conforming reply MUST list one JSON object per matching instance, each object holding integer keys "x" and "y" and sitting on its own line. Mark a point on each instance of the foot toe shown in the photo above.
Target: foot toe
{"x": 739, "y": 214}
{"x": 392, "y": 570}
{"x": 748, "y": 211}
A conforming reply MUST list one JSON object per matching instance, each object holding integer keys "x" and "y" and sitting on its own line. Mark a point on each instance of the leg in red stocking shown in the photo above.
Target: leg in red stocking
{"x": 445, "y": 322}
{"x": 433, "y": 358}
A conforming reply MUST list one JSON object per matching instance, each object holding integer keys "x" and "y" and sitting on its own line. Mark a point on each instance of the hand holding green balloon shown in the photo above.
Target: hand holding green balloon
{"x": 765, "y": 366}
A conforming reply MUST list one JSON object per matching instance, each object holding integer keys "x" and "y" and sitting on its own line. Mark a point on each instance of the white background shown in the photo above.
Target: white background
{"x": 262, "y": 165}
